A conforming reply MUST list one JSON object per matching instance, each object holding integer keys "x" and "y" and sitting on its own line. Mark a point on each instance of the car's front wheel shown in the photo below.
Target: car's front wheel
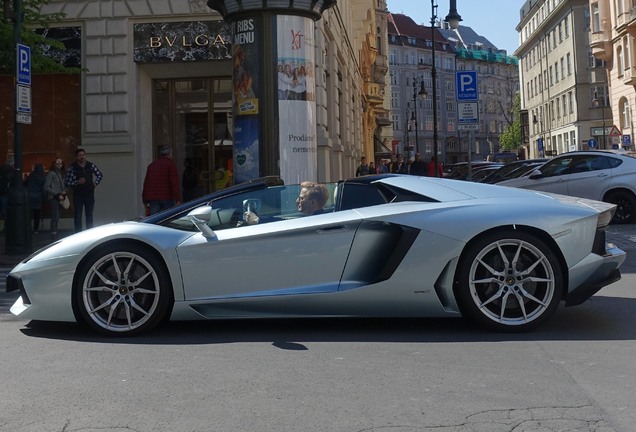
{"x": 123, "y": 290}
{"x": 509, "y": 281}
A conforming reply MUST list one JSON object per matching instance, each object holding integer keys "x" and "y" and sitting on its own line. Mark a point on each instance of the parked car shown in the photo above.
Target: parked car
{"x": 484, "y": 171}
{"x": 513, "y": 167}
{"x": 602, "y": 175}
{"x": 459, "y": 170}
{"x": 383, "y": 246}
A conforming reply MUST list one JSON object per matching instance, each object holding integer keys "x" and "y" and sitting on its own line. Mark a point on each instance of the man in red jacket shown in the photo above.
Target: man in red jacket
{"x": 161, "y": 185}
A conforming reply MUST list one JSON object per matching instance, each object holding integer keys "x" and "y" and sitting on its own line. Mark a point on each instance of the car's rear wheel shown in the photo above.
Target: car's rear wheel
{"x": 123, "y": 290}
{"x": 509, "y": 281}
{"x": 625, "y": 207}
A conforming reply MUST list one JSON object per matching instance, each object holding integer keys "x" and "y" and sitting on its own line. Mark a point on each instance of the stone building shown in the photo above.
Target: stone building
{"x": 613, "y": 44}
{"x": 563, "y": 86}
{"x": 159, "y": 73}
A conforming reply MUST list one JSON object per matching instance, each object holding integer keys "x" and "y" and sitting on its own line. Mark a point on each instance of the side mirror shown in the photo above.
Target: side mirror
{"x": 536, "y": 174}
{"x": 200, "y": 217}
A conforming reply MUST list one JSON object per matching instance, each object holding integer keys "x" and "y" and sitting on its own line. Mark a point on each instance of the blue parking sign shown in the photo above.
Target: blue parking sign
{"x": 23, "y": 64}
{"x": 466, "y": 82}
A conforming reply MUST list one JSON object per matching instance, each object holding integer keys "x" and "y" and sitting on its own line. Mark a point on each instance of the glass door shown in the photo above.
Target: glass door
{"x": 200, "y": 136}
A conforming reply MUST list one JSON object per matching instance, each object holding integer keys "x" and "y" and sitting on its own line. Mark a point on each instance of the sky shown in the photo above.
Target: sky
{"x": 493, "y": 19}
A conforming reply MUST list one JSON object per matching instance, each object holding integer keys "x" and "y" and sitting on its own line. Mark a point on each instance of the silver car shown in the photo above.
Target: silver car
{"x": 381, "y": 246}
{"x": 602, "y": 175}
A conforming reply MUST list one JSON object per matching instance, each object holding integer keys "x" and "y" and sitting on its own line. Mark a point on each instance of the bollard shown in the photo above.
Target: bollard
{"x": 18, "y": 224}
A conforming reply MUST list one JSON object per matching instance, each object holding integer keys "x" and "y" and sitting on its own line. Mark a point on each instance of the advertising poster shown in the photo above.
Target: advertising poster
{"x": 246, "y": 149}
{"x": 296, "y": 98}
{"x": 246, "y": 75}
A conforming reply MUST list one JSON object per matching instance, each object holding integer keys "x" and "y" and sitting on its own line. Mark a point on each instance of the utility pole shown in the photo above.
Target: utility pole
{"x": 17, "y": 225}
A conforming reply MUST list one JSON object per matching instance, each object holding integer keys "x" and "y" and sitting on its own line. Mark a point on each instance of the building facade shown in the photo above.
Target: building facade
{"x": 563, "y": 87}
{"x": 160, "y": 73}
{"x": 498, "y": 85}
{"x": 613, "y": 44}
{"x": 411, "y": 61}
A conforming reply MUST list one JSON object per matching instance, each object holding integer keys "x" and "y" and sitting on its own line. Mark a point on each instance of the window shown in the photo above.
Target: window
{"x": 619, "y": 60}
{"x": 569, "y": 63}
{"x": 596, "y": 20}
{"x": 571, "y": 102}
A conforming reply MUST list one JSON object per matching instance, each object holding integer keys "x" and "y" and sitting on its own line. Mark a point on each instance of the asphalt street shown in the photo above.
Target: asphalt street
{"x": 575, "y": 373}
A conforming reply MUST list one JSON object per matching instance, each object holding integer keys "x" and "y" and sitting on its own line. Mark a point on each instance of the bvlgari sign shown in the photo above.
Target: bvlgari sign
{"x": 182, "y": 42}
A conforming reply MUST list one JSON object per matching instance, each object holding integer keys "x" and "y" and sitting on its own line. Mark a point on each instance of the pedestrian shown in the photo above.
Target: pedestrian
{"x": 35, "y": 190}
{"x": 432, "y": 165}
{"x": 399, "y": 166}
{"x": 418, "y": 166}
{"x": 189, "y": 180}
{"x": 55, "y": 192}
{"x": 161, "y": 184}
{"x": 6, "y": 176}
{"x": 371, "y": 168}
{"x": 382, "y": 168}
{"x": 363, "y": 169}
{"x": 83, "y": 176}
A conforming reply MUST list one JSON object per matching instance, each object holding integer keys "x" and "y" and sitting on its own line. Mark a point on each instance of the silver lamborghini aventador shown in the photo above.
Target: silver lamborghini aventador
{"x": 381, "y": 246}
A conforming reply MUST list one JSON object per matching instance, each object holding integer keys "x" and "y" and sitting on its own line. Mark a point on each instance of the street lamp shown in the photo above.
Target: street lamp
{"x": 453, "y": 20}
{"x": 422, "y": 94}
{"x": 596, "y": 101}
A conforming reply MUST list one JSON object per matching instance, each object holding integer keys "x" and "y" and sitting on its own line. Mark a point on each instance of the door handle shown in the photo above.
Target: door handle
{"x": 333, "y": 228}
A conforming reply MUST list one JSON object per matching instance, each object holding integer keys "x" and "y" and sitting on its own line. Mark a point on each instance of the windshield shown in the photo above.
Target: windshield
{"x": 274, "y": 203}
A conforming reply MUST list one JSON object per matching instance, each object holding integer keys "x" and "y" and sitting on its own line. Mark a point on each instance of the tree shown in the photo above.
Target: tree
{"x": 510, "y": 139}
{"x": 41, "y": 61}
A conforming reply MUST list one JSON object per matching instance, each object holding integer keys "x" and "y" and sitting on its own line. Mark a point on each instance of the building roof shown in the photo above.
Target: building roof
{"x": 404, "y": 26}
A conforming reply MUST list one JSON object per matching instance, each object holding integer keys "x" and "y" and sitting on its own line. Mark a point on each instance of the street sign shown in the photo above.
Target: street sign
{"x": 468, "y": 126}
{"x": 627, "y": 140}
{"x": 614, "y": 132}
{"x": 592, "y": 143}
{"x": 23, "y": 64}
{"x": 466, "y": 82}
{"x": 468, "y": 112}
{"x": 598, "y": 131}
{"x": 23, "y": 95}
{"x": 23, "y": 118}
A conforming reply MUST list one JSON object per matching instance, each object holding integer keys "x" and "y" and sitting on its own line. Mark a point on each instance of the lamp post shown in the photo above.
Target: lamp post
{"x": 596, "y": 101}
{"x": 422, "y": 94}
{"x": 453, "y": 19}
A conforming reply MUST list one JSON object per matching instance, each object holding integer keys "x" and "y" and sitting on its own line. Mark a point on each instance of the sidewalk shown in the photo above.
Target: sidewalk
{"x": 38, "y": 241}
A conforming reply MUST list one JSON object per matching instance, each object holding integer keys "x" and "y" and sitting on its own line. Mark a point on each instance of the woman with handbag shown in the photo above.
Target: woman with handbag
{"x": 56, "y": 193}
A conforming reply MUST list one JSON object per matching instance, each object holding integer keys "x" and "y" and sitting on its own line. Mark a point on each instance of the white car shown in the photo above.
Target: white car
{"x": 602, "y": 175}
{"x": 382, "y": 246}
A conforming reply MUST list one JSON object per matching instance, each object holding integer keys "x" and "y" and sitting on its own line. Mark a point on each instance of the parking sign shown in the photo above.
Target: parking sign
{"x": 466, "y": 82}
{"x": 23, "y": 64}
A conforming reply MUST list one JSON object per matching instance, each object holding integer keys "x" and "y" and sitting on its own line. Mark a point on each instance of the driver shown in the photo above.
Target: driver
{"x": 311, "y": 200}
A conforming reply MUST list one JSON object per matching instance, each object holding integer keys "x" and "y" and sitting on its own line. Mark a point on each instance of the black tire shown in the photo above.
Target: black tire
{"x": 123, "y": 290}
{"x": 625, "y": 207}
{"x": 509, "y": 281}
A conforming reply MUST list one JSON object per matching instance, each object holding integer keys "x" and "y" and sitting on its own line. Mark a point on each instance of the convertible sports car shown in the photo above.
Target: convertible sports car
{"x": 383, "y": 246}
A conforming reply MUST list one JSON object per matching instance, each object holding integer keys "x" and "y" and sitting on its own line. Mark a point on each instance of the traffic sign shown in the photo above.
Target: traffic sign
{"x": 23, "y": 118}
{"x": 468, "y": 112}
{"x": 592, "y": 143}
{"x": 627, "y": 140}
{"x": 23, "y": 95}
{"x": 614, "y": 132}
{"x": 23, "y": 64}
{"x": 468, "y": 126}
{"x": 466, "y": 82}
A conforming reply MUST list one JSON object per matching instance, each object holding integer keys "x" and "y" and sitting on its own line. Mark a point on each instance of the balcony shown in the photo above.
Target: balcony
{"x": 631, "y": 20}
{"x": 601, "y": 46}
{"x": 629, "y": 75}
